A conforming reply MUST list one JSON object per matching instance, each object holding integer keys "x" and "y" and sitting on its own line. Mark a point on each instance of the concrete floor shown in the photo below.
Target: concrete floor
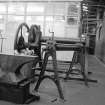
{"x": 75, "y": 92}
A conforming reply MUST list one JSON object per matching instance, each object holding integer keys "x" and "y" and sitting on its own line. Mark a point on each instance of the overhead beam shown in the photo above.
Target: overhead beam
{"x": 40, "y": 0}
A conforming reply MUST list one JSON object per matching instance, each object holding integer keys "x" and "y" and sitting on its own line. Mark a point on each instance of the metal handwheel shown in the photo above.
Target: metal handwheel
{"x": 34, "y": 40}
{"x": 19, "y": 42}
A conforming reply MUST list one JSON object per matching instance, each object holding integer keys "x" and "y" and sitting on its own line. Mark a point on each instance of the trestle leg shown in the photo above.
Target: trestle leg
{"x": 49, "y": 53}
{"x": 84, "y": 67}
{"x": 82, "y": 63}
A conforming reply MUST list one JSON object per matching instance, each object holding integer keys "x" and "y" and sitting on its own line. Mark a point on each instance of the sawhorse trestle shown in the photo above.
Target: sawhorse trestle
{"x": 50, "y": 52}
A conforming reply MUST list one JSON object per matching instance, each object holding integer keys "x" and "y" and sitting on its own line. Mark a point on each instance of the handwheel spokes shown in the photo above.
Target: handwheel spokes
{"x": 21, "y": 31}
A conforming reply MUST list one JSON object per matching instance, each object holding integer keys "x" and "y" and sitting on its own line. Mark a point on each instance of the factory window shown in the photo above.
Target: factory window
{"x": 16, "y": 8}
{"x": 60, "y": 17}
{"x": 55, "y": 19}
{"x": 35, "y": 9}
{"x": 12, "y": 24}
{"x": 59, "y": 9}
{"x": 73, "y": 9}
{"x": 2, "y": 24}
{"x": 59, "y": 26}
{"x": 49, "y": 15}
{"x": 72, "y": 19}
{"x": 55, "y": 24}
{"x": 2, "y": 8}
{"x": 49, "y": 9}
{"x": 49, "y": 24}
{"x": 2, "y": 18}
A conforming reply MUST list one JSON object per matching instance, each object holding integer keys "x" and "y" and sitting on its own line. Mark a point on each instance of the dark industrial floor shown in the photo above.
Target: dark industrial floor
{"x": 75, "y": 92}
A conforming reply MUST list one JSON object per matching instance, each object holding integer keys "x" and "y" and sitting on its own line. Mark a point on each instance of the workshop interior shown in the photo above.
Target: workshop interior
{"x": 52, "y": 52}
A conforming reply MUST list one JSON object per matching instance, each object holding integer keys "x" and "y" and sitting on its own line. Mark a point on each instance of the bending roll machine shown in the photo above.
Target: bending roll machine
{"x": 80, "y": 56}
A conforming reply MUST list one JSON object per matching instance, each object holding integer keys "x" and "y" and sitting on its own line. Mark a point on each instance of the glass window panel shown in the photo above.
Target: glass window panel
{"x": 55, "y": 24}
{"x": 72, "y": 20}
{"x": 38, "y": 20}
{"x": 59, "y": 26}
{"x": 59, "y": 18}
{"x": 72, "y": 32}
{"x": 2, "y": 8}
{"x": 2, "y": 24}
{"x": 16, "y": 8}
{"x": 59, "y": 8}
{"x": 49, "y": 19}
{"x": 50, "y": 9}
{"x": 2, "y": 29}
{"x": 13, "y": 23}
{"x": 11, "y": 28}
{"x": 49, "y": 25}
{"x": 13, "y": 18}
{"x": 35, "y": 8}
{"x": 59, "y": 29}
{"x": 73, "y": 8}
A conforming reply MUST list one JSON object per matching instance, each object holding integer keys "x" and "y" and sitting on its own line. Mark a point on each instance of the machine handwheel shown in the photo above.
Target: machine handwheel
{"x": 22, "y": 28}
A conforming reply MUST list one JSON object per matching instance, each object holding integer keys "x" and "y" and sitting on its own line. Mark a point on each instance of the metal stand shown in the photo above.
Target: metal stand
{"x": 50, "y": 51}
{"x": 83, "y": 63}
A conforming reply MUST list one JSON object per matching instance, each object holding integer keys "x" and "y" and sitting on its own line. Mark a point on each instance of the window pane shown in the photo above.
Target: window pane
{"x": 2, "y": 24}
{"x": 35, "y": 8}
{"x": 59, "y": 29}
{"x": 11, "y": 28}
{"x": 13, "y": 18}
{"x": 72, "y": 32}
{"x": 59, "y": 18}
{"x": 38, "y": 20}
{"x": 49, "y": 19}
{"x": 13, "y": 23}
{"x": 2, "y": 8}
{"x": 55, "y": 24}
{"x": 49, "y": 25}
{"x": 59, "y": 8}
{"x": 16, "y": 8}
{"x": 72, "y": 20}
{"x": 59, "y": 26}
{"x": 49, "y": 9}
{"x": 73, "y": 8}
